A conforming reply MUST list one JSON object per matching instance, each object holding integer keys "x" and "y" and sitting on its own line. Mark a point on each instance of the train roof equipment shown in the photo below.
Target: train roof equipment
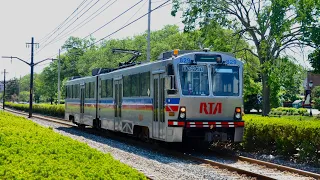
{"x": 163, "y": 56}
{"x": 176, "y": 52}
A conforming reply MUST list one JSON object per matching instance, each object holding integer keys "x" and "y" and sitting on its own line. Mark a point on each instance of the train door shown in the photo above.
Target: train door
{"x": 82, "y": 90}
{"x": 117, "y": 103}
{"x": 158, "y": 124}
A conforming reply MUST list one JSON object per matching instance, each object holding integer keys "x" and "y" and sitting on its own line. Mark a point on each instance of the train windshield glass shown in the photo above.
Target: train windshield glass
{"x": 194, "y": 80}
{"x": 225, "y": 80}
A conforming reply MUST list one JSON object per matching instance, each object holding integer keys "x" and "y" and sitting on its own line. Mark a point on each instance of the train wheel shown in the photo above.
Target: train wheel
{"x": 144, "y": 134}
{"x": 81, "y": 126}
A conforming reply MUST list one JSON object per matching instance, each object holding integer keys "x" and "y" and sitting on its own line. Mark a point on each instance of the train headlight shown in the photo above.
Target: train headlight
{"x": 237, "y": 113}
{"x": 182, "y": 113}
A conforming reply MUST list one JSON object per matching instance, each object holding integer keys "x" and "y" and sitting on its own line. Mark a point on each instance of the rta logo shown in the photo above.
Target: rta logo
{"x": 210, "y": 108}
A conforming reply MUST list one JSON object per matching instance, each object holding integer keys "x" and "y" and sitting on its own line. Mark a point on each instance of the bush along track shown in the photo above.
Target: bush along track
{"x": 30, "y": 151}
{"x": 45, "y": 109}
{"x": 287, "y": 136}
{"x": 290, "y": 132}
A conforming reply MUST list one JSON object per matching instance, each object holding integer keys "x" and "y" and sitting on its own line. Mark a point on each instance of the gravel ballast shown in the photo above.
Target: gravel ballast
{"x": 152, "y": 164}
{"x": 161, "y": 166}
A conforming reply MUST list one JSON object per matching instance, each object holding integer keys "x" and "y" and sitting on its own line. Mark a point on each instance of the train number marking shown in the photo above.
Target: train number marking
{"x": 185, "y": 60}
{"x": 231, "y": 61}
{"x": 210, "y": 108}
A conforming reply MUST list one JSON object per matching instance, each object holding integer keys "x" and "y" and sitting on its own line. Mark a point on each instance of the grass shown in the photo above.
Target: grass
{"x": 30, "y": 151}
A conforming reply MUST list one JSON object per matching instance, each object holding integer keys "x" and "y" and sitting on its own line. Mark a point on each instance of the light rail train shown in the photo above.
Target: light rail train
{"x": 181, "y": 95}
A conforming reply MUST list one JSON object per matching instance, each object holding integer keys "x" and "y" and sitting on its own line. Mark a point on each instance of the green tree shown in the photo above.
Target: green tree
{"x": 24, "y": 96}
{"x": 12, "y": 89}
{"x": 48, "y": 90}
{"x": 314, "y": 59}
{"x": 286, "y": 81}
{"x": 271, "y": 25}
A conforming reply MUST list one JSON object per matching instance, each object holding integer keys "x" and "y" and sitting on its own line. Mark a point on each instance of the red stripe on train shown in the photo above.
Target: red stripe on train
{"x": 171, "y": 108}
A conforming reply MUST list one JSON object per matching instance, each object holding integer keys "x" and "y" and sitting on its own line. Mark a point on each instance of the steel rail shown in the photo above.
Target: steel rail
{"x": 197, "y": 159}
{"x": 222, "y": 166}
{"x": 279, "y": 167}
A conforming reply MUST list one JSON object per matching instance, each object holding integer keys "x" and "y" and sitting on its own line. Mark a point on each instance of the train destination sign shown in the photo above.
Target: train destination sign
{"x": 192, "y": 68}
{"x": 208, "y": 58}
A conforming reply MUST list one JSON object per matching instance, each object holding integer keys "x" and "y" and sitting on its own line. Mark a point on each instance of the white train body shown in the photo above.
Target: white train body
{"x": 191, "y": 95}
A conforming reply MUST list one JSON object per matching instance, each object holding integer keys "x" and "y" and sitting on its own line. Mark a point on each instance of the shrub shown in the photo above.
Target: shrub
{"x": 285, "y": 136}
{"x": 316, "y": 102}
{"x": 288, "y": 111}
{"x": 296, "y": 113}
{"x": 46, "y": 109}
{"x": 30, "y": 151}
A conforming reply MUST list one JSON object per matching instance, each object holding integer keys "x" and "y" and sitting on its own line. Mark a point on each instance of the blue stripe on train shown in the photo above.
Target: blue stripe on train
{"x": 173, "y": 100}
{"x": 127, "y": 101}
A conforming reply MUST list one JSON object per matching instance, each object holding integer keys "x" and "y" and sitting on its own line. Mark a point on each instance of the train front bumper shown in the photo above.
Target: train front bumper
{"x": 214, "y": 131}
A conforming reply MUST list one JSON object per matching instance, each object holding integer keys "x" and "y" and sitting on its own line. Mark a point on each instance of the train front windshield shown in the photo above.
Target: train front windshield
{"x": 225, "y": 80}
{"x": 195, "y": 80}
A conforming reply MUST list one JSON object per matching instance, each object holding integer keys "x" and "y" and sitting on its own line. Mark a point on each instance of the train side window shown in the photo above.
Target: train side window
{"x": 127, "y": 86}
{"x": 78, "y": 91}
{"x": 171, "y": 86}
{"x": 73, "y": 91}
{"x": 170, "y": 70}
{"x": 87, "y": 90}
{"x": 91, "y": 92}
{"x": 67, "y": 91}
{"x": 109, "y": 88}
{"x": 144, "y": 83}
{"x": 135, "y": 85}
{"x": 104, "y": 88}
{"x": 70, "y": 91}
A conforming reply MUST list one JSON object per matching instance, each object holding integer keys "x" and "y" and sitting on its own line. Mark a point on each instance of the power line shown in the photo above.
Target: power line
{"x": 135, "y": 13}
{"x": 75, "y": 28}
{"x": 71, "y": 23}
{"x": 59, "y": 26}
{"x": 114, "y": 19}
{"x": 162, "y": 5}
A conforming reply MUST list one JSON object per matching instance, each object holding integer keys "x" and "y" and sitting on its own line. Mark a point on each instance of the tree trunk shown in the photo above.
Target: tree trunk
{"x": 51, "y": 100}
{"x": 265, "y": 94}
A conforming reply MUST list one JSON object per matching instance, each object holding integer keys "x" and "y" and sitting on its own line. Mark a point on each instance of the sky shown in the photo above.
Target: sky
{"x": 20, "y": 20}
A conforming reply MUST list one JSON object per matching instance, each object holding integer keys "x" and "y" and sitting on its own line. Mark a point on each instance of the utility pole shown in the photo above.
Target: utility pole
{"x": 59, "y": 78}
{"x": 148, "y": 38}
{"x": 32, "y": 64}
{"x": 4, "y": 87}
{"x": 19, "y": 86}
{"x": 31, "y": 78}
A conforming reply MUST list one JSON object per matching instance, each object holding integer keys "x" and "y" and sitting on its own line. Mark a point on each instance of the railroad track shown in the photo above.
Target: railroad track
{"x": 213, "y": 163}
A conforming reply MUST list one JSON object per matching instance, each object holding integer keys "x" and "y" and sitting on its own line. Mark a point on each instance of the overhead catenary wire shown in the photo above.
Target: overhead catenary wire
{"x": 114, "y": 32}
{"x": 114, "y": 19}
{"x": 74, "y": 29}
{"x": 106, "y": 23}
{"x": 69, "y": 25}
{"x": 162, "y": 5}
{"x": 67, "y": 21}
{"x": 135, "y": 12}
{"x": 58, "y": 27}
